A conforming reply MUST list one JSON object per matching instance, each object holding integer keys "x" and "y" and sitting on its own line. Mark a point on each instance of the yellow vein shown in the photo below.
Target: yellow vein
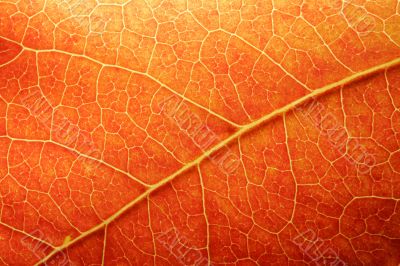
{"x": 27, "y": 235}
{"x": 131, "y": 71}
{"x": 104, "y": 247}
{"x": 79, "y": 154}
{"x": 241, "y": 131}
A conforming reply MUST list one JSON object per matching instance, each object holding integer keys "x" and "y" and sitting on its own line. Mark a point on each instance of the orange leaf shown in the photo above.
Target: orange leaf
{"x": 200, "y": 132}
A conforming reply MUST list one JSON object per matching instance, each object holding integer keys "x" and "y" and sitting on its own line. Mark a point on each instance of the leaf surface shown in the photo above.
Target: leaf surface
{"x": 199, "y": 132}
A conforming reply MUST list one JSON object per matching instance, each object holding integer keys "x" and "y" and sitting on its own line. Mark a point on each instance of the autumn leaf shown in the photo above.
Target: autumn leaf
{"x": 200, "y": 132}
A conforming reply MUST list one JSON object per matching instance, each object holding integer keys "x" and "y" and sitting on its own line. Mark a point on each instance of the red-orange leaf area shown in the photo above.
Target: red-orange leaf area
{"x": 200, "y": 132}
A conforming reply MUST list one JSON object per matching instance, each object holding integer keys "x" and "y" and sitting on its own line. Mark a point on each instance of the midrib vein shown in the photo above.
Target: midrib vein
{"x": 244, "y": 129}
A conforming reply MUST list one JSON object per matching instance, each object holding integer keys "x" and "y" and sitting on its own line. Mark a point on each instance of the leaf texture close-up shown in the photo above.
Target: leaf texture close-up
{"x": 200, "y": 132}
